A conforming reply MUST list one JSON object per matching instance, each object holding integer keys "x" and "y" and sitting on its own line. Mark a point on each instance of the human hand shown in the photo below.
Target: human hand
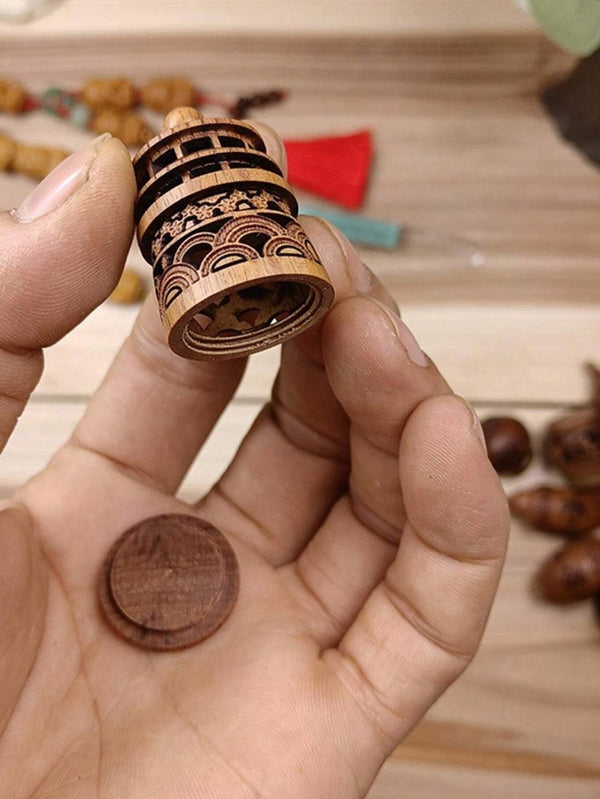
{"x": 368, "y": 523}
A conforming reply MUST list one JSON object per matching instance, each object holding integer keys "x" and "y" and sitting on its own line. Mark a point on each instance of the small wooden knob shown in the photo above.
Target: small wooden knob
{"x": 181, "y": 116}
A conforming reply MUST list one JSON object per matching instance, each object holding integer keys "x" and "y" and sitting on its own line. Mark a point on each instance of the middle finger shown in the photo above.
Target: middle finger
{"x": 294, "y": 462}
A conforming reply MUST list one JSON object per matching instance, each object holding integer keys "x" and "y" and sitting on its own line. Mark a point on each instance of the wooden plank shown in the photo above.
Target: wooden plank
{"x": 523, "y": 353}
{"x": 427, "y": 780}
{"x": 466, "y": 66}
{"x": 482, "y": 172}
{"x": 45, "y": 426}
{"x": 340, "y": 17}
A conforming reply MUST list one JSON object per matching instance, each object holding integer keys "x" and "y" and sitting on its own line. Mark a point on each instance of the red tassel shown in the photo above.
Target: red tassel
{"x": 335, "y": 168}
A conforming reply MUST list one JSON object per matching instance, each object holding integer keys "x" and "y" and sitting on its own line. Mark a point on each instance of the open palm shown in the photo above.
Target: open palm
{"x": 369, "y": 527}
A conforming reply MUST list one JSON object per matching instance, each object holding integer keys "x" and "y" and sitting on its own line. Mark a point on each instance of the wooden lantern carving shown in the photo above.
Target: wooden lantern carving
{"x": 234, "y": 271}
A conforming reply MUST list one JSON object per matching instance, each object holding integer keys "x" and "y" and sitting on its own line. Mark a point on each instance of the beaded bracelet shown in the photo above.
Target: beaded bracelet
{"x": 105, "y": 104}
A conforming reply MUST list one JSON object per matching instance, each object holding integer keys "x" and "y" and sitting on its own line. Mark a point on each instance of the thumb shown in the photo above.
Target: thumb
{"x": 23, "y": 596}
{"x": 61, "y": 254}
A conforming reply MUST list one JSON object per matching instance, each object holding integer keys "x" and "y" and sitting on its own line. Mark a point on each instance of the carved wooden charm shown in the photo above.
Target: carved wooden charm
{"x": 234, "y": 271}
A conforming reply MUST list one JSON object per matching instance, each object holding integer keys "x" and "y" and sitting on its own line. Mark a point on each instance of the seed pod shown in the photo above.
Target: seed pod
{"x": 572, "y": 445}
{"x": 129, "y": 289}
{"x": 8, "y": 148}
{"x": 37, "y": 162}
{"x": 12, "y": 97}
{"x": 572, "y": 573}
{"x": 558, "y": 510}
{"x": 508, "y": 444}
{"x": 130, "y": 128}
{"x": 109, "y": 94}
{"x": 164, "y": 94}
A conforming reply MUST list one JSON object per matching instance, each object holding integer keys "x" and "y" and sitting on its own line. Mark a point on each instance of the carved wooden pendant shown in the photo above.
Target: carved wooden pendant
{"x": 233, "y": 269}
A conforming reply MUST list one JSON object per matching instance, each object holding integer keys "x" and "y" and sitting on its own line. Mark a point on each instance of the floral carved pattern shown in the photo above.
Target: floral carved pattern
{"x": 201, "y": 211}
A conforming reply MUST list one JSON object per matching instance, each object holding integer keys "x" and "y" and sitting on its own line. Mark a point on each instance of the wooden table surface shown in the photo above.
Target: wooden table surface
{"x": 467, "y": 159}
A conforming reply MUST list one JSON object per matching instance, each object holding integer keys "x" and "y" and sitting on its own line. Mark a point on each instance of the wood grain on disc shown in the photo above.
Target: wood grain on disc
{"x": 169, "y": 582}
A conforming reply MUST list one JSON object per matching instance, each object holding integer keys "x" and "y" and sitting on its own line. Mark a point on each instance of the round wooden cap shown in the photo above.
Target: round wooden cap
{"x": 169, "y": 582}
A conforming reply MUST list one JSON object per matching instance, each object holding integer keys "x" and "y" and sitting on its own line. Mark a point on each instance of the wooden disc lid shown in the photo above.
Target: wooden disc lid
{"x": 234, "y": 271}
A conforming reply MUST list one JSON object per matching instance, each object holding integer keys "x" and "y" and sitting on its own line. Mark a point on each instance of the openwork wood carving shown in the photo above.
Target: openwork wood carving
{"x": 234, "y": 271}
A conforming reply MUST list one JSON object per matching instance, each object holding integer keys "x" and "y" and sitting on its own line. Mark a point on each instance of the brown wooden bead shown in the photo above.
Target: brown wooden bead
{"x": 129, "y": 289}
{"x": 572, "y": 445}
{"x": 114, "y": 94}
{"x": 234, "y": 271}
{"x": 130, "y": 128}
{"x": 164, "y": 94}
{"x": 169, "y": 582}
{"x": 12, "y": 97}
{"x": 8, "y": 150}
{"x": 573, "y": 573}
{"x": 558, "y": 510}
{"x": 37, "y": 162}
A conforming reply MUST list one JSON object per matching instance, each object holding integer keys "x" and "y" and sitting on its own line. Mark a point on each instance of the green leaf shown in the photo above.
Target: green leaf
{"x": 572, "y": 24}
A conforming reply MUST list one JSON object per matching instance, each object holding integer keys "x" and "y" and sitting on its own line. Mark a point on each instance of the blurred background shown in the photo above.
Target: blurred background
{"x": 493, "y": 252}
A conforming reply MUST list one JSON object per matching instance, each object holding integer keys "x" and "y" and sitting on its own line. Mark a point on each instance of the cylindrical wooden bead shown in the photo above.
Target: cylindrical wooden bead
{"x": 12, "y": 97}
{"x": 234, "y": 271}
{"x": 115, "y": 94}
{"x": 164, "y": 94}
{"x": 8, "y": 148}
{"x": 36, "y": 162}
{"x": 130, "y": 128}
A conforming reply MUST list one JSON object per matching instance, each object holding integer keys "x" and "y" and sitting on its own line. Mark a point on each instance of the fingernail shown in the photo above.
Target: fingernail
{"x": 407, "y": 339}
{"x": 359, "y": 273}
{"x": 362, "y": 277}
{"x": 60, "y": 184}
{"x": 477, "y": 428}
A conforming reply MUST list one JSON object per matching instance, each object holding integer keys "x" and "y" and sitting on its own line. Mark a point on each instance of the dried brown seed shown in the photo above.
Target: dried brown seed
{"x": 573, "y": 573}
{"x": 572, "y": 445}
{"x": 594, "y": 374}
{"x": 558, "y": 510}
{"x": 508, "y": 444}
